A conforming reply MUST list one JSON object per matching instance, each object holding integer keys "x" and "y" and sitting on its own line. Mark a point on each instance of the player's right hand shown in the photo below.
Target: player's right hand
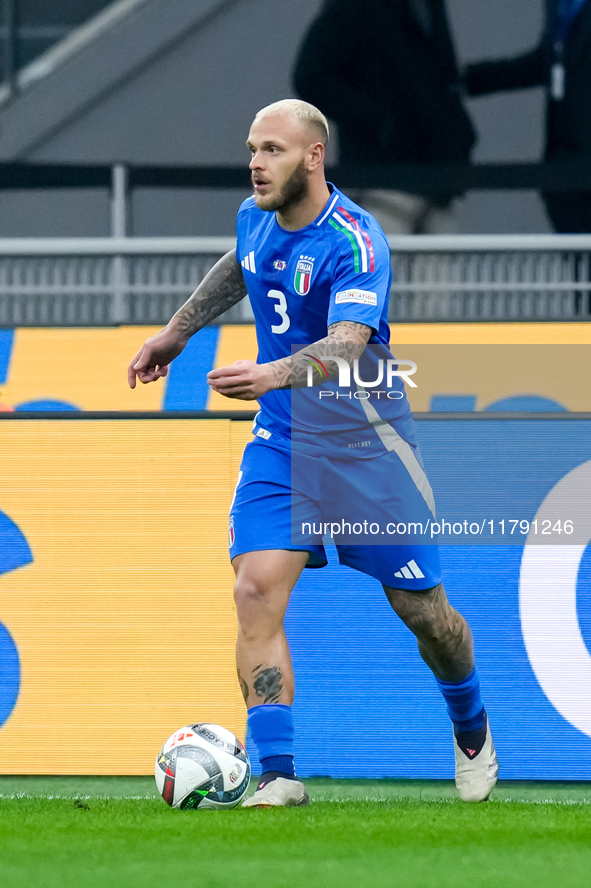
{"x": 155, "y": 355}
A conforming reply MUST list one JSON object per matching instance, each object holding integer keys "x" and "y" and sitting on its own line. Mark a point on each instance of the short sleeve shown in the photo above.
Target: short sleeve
{"x": 362, "y": 278}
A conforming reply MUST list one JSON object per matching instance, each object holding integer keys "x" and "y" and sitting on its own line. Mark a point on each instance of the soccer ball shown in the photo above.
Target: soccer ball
{"x": 202, "y": 766}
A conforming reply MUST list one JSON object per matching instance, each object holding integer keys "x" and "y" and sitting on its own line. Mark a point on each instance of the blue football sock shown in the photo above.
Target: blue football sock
{"x": 464, "y": 704}
{"x": 280, "y": 764}
{"x": 271, "y": 730}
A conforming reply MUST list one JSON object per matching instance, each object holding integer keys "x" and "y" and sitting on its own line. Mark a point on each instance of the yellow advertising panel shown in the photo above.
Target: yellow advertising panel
{"x": 119, "y": 624}
{"x": 460, "y": 366}
{"x": 82, "y": 367}
{"x": 496, "y": 366}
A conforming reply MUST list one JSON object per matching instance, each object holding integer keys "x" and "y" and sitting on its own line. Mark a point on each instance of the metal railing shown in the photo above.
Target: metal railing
{"x": 120, "y": 280}
{"x": 491, "y": 278}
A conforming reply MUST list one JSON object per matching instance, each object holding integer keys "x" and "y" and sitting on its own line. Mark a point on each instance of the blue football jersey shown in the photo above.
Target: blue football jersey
{"x": 300, "y": 282}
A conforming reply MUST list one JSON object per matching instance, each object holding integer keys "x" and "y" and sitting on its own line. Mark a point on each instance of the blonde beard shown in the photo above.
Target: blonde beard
{"x": 294, "y": 191}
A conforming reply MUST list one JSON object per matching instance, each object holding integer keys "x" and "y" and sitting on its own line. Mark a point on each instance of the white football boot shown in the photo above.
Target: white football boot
{"x": 476, "y": 776}
{"x": 278, "y": 793}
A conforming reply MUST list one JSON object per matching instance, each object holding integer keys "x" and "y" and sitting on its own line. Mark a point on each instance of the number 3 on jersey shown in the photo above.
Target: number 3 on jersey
{"x": 281, "y": 310}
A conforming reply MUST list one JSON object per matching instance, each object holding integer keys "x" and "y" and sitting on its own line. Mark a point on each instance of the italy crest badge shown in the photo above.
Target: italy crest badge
{"x": 303, "y": 275}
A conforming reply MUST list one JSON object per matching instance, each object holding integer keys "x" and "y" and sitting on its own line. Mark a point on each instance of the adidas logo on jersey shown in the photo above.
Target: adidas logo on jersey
{"x": 248, "y": 262}
{"x": 410, "y": 571}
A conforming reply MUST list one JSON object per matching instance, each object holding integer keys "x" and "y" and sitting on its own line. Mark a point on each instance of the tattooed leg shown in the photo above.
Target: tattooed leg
{"x": 264, "y": 581}
{"x": 444, "y": 637}
{"x": 268, "y": 683}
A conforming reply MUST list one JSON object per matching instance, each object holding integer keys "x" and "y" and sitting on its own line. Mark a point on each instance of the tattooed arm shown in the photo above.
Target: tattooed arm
{"x": 346, "y": 339}
{"x": 248, "y": 381}
{"x": 219, "y": 290}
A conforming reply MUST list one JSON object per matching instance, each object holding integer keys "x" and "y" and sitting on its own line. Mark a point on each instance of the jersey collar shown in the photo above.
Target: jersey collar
{"x": 325, "y": 213}
{"x": 329, "y": 206}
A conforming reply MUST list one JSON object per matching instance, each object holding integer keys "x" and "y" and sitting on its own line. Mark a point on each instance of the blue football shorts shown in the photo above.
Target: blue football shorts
{"x": 371, "y": 507}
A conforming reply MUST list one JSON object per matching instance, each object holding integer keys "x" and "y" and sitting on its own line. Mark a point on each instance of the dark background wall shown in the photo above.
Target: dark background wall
{"x": 509, "y": 125}
{"x": 193, "y": 104}
{"x": 41, "y": 24}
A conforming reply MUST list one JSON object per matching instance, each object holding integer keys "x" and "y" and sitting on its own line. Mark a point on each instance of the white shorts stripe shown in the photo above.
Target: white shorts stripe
{"x": 392, "y": 441}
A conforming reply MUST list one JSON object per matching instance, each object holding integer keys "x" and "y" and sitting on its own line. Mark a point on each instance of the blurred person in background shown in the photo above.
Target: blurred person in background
{"x": 385, "y": 72}
{"x": 562, "y": 63}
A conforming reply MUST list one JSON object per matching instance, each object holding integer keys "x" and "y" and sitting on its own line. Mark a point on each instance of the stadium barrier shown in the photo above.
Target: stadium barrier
{"x": 122, "y": 280}
{"x": 118, "y": 623}
{"x": 464, "y": 366}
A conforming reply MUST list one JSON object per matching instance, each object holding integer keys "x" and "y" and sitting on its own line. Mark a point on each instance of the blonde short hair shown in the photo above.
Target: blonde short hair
{"x": 302, "y": 111}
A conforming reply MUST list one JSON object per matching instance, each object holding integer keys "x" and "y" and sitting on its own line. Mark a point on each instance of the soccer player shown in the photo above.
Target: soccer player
{"x": 317, "y": 270}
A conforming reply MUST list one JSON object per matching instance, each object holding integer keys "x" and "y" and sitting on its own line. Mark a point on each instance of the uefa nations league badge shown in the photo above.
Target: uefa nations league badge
{"x": 303, "y": 275}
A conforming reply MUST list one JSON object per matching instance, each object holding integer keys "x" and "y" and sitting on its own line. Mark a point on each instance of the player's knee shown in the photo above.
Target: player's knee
{"x": 255, "y": 604}
{"x": 428, "y": 628}
{"x": 249, "y": 595}
{"x": 423, "y": 613}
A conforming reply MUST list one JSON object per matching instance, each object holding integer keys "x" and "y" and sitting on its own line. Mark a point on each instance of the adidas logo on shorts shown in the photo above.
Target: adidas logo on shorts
{"x": 410, "y": 571}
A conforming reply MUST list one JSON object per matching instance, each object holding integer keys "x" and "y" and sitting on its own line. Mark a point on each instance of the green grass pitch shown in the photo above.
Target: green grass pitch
{"x": 61, "y": 832}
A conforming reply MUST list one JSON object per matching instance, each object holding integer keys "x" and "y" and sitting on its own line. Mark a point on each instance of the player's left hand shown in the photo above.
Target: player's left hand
{"x": 245, "y": 380}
